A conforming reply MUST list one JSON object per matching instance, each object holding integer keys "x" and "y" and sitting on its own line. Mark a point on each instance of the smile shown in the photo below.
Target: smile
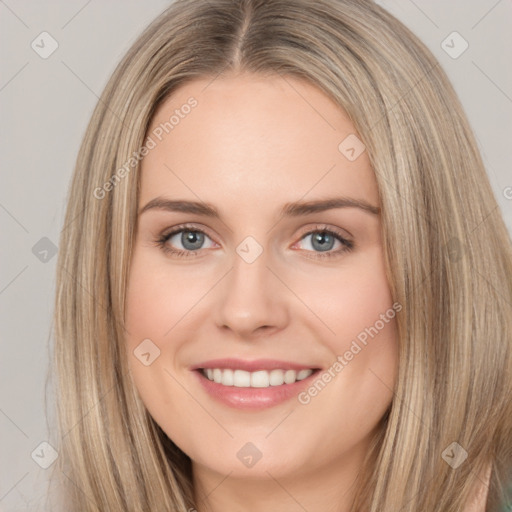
{"x": 257, "y": 384}
{"x": 257, "y": 379}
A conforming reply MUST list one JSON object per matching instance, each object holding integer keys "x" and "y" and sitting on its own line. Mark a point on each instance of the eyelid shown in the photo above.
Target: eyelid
{"x": 327, "y": 227}
{"x": 164, "y": 237}
{"x": 186, "y": 226}
{"x": 347, "y": 242}
{"x": 303, "y": 231}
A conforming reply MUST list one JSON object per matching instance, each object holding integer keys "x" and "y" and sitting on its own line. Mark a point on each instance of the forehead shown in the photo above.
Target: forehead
{"x": 253, "y": 137}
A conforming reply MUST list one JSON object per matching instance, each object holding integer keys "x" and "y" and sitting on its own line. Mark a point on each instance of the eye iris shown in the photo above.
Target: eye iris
{"x": 194, "y": 237}
{"x": 325, "y": 240}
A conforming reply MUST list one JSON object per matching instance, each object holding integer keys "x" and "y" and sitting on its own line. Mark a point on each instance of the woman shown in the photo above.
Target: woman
{"x": 337, "y": 334}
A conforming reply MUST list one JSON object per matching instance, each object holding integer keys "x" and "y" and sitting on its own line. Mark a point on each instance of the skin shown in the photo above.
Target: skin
{"x": 251, "y": 145}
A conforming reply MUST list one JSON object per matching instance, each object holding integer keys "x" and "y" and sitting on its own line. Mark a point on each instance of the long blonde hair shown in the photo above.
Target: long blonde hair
{"x": 448, "y": 256}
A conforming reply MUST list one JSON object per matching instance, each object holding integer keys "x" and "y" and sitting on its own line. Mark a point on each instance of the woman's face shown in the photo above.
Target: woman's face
{"x": 259, "y": 293}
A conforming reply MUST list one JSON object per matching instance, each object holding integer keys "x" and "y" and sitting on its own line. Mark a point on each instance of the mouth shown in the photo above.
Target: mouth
{"x": 257, "y": 379}
{"x": 253, "y": 387}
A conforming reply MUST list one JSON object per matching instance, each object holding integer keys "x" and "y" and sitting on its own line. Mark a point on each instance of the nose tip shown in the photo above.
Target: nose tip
{"x": 247, "y": 329}
{"x": 251, "y": 300}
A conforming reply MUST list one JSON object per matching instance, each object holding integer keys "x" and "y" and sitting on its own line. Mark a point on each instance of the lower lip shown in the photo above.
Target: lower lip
{"x": 253, "y": 398}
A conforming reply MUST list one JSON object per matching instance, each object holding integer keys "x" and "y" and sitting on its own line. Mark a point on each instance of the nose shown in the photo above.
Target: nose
{"x": 252, "y": 301}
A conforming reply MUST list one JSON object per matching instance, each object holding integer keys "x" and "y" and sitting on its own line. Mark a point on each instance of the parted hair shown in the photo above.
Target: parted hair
{"x": 447, "y": 251}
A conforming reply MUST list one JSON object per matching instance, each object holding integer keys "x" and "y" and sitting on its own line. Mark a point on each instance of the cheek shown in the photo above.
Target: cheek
{"x": 359, "y": 321}
{"x": 159, "y": 296}
{"x": 353, "y": 302}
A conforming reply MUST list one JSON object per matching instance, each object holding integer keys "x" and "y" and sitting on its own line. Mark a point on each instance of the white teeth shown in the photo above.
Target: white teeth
{"x": 227, "y": 378}
{"x": 276, "y": 377}
{"x": 241, "y": 379}
{"x": 289, "y": 376}
{"x": 258, "y": 379}
{"x": 304, "y": 374}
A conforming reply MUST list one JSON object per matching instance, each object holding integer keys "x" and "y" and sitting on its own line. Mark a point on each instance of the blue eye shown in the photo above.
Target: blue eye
{"x": 321, "y": 240}
{"x": 192, "y": 239}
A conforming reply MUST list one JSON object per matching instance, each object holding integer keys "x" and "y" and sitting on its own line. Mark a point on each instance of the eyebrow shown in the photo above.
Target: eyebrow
{"x": 294, "y": 209}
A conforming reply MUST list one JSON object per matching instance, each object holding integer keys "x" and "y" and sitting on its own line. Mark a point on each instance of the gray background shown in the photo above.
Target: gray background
{"x": 45, "y": 106}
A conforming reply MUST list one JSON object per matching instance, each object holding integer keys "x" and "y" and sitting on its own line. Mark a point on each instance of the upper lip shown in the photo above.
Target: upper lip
{"x": 253, "y": 365}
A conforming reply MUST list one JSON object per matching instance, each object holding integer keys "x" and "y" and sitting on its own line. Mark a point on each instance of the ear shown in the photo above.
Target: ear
{"x": 479, "y": 496}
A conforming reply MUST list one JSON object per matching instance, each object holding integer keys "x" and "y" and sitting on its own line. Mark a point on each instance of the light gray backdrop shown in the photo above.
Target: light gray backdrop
{"x": 46, "y": 100}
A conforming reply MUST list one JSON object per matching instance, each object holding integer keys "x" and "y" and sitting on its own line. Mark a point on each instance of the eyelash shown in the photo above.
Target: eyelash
{"x": 164, "y": 238}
